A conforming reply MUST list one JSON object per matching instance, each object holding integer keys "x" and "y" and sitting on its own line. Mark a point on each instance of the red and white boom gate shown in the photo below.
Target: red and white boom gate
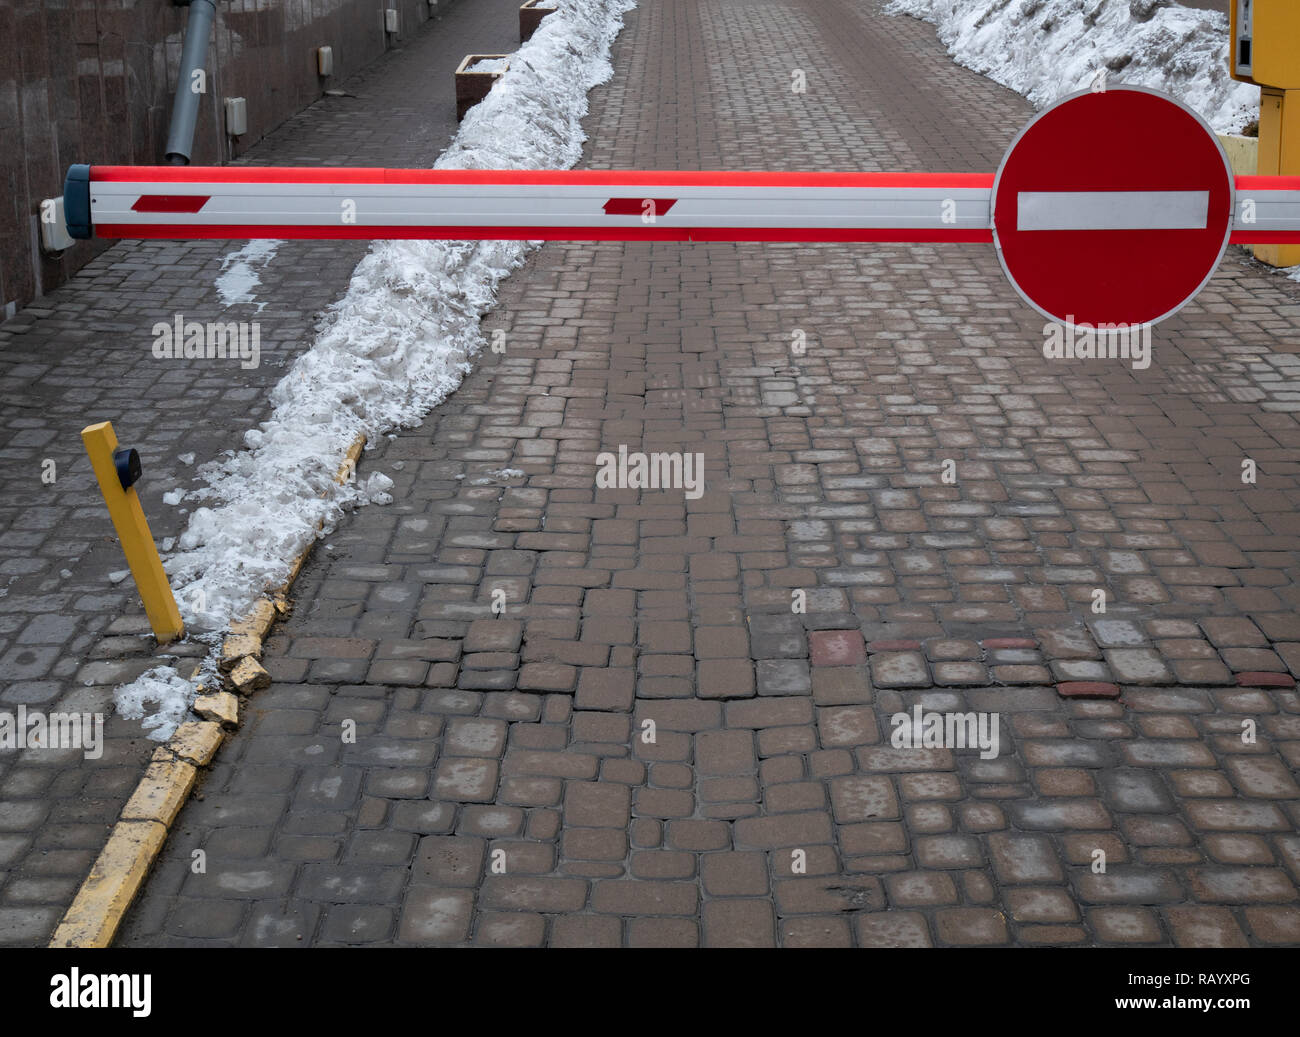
{"x": 1109, "y": 208}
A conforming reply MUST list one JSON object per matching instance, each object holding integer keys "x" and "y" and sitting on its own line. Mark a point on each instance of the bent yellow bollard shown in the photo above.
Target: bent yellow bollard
{"x": 133, "y": 531}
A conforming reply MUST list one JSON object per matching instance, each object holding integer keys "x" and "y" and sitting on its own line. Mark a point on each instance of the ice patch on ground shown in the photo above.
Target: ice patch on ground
{"x": 493, "y": 475}
{"x": 1045, "y": 49}
{"x": 168, "y": 696}
{"x": 395, "y": 346}
{"x": 239, "y": 273}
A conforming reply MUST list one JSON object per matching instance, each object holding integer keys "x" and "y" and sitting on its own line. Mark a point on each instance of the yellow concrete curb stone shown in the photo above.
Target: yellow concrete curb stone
{"x": 237, "y": 648}
{"x": 162, "y": 791}
{"x": 197, "y": 741}
{"x": 111, "y": 886}
{"x": 220, "y": 706}
{"x": 249, "y": 676}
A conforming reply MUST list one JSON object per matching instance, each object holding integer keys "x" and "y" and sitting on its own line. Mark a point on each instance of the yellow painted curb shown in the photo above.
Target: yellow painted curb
{"x": 162, "y": 791}
{"x": 111, "y": 886}
{"x": 119, "y": 871}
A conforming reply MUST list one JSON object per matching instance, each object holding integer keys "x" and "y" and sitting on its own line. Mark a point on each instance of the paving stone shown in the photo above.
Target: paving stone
{"x": 1041, "y": 905}
{"x": 1138, "y": 666}
{"x": 432, "y": 917}
{"x": 1125, "y": 925}
{"x": 863, "y": 798}
{"x": 739, "y": 923}
{"x": 734, "y": 874}
{"x": 970, "y": 927}
{"x": 586, "y": 931}
{"x": 899, "y": 670}
{"x": 960, "y": 674}
{"x": 1127, "y": 884}
{"x": 627, "y": 897}
{"x": 1257, "y": 679}
{"x": 836, "y": 648}
{"x": 1201, "y": 671}
{"x": 823, "y": 894}
{"x": 783, "y": 677}
{"x": 1080, "y": 670}
{"x": 1203, "y": 927}
{"x": 893, "y": 929}
{"x": 1241, "y": 885}
{"x": 1058, "y": 815}
{"x": 1067, "y": 643}
{"x": 1233, "y": 632}
{"x": 815, "y": 931}
{"x": 1135, "y": 791}
{"x": 1019, "y": 858}
{"x": 1274, "y": 925}
{"x": 597, "y": 805}
{"x": 1117, "y": 633}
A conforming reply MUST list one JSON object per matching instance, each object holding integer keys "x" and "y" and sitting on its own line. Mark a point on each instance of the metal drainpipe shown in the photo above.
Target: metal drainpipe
{"x": 185, "y": 106}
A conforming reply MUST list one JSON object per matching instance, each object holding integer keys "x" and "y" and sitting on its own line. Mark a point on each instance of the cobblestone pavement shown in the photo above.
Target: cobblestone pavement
{"x": 83, "y": 353}
{"x": 652, "y": 745}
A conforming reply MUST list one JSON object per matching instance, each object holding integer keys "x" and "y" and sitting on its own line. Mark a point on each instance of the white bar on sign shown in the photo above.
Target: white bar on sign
{"x": 1112, "y": 210}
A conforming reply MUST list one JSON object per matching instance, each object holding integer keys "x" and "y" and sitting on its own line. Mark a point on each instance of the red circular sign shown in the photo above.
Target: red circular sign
{"x": 1112, "y": 207}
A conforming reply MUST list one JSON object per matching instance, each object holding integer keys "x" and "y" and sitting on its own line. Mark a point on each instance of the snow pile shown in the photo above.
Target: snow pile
{"x": 1046, "y": 49}
{"x": 170, "y": 694}
{"x": 394, "y": 347}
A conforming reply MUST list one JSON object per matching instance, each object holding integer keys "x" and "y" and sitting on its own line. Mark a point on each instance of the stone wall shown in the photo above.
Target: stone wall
{"x": 92, "y": 81}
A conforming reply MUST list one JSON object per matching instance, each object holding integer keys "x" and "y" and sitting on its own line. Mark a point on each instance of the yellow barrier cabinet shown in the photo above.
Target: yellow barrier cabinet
{"x": 1266, "y": 52}
{"x": 133, "y": 532}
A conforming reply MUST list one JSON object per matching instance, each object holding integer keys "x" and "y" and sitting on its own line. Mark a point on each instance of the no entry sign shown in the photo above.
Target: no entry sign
{"x": 1109, "y": 208}
{"x": 1112, "y": 207}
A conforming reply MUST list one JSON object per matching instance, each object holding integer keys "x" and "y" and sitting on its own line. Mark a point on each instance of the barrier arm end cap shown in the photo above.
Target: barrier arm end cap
{"x": 76, "y": 202}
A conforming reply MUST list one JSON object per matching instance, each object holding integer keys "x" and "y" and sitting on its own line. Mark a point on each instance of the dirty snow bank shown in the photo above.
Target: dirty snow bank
{"x": 393, "y": 348}
{"x": 1046, "y": 49}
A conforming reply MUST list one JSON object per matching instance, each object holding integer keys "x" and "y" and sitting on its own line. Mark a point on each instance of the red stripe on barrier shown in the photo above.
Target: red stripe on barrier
{"x": 576, "y": 234}
{"x": 637, "y": 206}
{"x": 1264, "y": 237}
{"x": 1268, "y": 183}
{"x": 170, "y": 202}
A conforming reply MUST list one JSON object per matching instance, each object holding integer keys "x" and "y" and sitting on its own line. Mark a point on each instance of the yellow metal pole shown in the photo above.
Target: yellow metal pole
{"x": 133, "y": 532}
{"x": 1279, "y": 155}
